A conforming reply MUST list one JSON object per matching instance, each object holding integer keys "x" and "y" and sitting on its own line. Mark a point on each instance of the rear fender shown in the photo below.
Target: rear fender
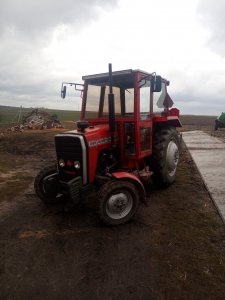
{"x": 135, "y": 180}
{"x": 174, "y": 122}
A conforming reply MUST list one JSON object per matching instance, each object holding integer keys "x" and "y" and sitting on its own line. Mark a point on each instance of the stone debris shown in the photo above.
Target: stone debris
{"x": 37, "y": 120}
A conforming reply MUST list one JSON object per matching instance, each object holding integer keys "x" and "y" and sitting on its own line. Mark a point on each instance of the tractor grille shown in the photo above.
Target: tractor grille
{"x": 71, "y": 148}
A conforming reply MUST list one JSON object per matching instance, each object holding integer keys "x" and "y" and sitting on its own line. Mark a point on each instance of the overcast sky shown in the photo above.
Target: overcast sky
{"x": 45, "y": 42}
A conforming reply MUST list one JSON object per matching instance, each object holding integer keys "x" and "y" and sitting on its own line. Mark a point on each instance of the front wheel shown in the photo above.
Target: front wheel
{"x": 117, "y": 202}
{"x": 45, "y": 185}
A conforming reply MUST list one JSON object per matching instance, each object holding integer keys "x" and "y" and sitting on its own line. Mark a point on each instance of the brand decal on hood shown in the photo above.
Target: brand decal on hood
{"x": 99, "y": 142}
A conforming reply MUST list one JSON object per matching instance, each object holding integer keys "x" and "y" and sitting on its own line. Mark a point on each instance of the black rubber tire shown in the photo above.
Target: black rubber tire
{"x": 106, "y": 191}
{"x": 158, "y": 163}
{"x": 39, "y": 188}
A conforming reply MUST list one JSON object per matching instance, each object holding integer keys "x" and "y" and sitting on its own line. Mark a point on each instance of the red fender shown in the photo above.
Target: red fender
{"x": 135, "y": 180}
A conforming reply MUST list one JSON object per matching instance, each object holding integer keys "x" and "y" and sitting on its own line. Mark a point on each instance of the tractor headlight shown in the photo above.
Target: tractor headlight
{"x": 76, "y": 164}
{"x": 61, "y": 163}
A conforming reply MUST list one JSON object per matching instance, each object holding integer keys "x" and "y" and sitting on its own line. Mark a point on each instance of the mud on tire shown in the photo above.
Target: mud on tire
{"x": 117, "y": 202}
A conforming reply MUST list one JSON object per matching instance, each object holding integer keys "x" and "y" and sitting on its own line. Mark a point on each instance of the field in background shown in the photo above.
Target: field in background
{"x": 11, "y": 114}
{"x": 193, "y": 122}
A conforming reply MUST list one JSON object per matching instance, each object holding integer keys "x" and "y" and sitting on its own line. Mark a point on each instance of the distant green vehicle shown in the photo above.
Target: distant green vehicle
{"x": 220, "y": 121}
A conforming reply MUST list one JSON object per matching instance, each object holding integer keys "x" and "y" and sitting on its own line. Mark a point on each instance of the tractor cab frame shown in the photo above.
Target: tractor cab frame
{"x": 141, "y": 103}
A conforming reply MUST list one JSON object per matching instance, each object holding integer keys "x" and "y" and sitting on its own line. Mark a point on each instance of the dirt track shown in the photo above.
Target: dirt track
{"x": 173, "y": 249}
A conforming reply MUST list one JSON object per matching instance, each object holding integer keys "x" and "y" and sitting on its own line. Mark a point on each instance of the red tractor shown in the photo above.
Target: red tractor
{"x": 126, "y": 139}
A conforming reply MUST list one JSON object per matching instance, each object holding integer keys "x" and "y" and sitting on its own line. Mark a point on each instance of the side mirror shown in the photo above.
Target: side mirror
{"x": 63, "y": 92}
{"x": 156, "y": 83}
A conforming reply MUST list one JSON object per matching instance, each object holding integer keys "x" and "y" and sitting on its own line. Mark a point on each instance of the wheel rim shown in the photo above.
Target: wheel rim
{"x": 172, "y": 157}
{"x": 119, "y": 205}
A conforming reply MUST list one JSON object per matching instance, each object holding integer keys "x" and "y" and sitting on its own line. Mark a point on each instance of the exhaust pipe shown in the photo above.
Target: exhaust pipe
{"x": 111, "y": 107}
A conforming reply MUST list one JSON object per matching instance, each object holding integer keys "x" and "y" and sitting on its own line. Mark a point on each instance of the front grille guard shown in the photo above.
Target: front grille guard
{"x": 83, "y": 150}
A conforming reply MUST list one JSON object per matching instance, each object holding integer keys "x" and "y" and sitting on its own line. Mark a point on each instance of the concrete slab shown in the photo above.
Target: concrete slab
{"x": 208, "y": 153}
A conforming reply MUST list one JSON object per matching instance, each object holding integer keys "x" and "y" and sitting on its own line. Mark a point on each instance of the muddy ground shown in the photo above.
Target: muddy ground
{"x": 173, "y": 249}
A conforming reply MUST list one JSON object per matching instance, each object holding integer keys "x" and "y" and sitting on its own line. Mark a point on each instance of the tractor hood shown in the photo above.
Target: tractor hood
{"x": 95, "y": 136}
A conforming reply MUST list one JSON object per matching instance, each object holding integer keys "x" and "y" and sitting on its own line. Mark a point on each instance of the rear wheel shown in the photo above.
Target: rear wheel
{"x": 165, "y": 157}
{"x": 46, "y": 189}
{"x": 117, "y": 202}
